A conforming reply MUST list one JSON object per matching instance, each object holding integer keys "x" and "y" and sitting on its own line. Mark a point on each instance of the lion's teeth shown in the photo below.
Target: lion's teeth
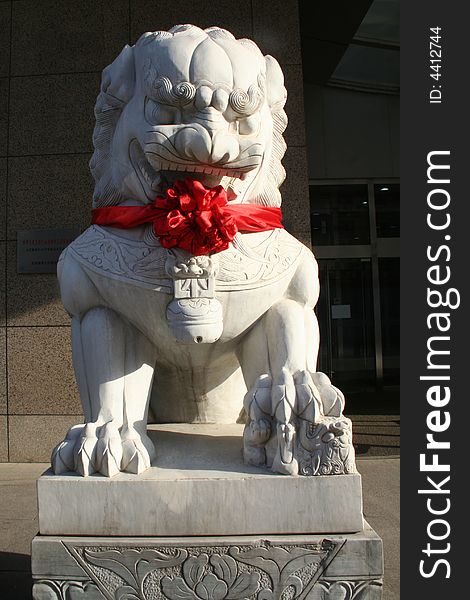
{"x": 152, "y": 177}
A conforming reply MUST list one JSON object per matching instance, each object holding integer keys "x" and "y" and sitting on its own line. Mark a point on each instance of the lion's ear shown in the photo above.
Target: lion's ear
{"x": 277, "y": 93}
{"x": 118, "y": 78}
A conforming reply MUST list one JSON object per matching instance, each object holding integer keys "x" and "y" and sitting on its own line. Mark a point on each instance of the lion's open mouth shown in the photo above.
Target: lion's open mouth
{"x": 156, "y": 181}
{"x": 199, "y": 170}
{"x": 208, "y": 179}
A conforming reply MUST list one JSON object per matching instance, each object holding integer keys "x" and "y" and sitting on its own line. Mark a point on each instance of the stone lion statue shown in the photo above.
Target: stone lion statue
{"x": 186, "y": 274}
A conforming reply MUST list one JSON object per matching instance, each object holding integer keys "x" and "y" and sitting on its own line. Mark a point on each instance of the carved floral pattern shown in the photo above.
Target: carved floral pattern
{"x": 346, "y": 590}
{"x": 133, "y": 567}
{"x": 264, "y": 571}
{"x": 244, "y": 267}
{"x": 212, "y": 588}
{"x": 120, "y": 258}
{"x": 222, "y": 582}
{"x": 66, "y": 590}
{"x": 144, "y": 261}
{"x": 284, "y": 566}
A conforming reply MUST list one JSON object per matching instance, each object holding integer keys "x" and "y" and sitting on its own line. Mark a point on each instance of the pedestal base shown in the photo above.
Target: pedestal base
{"x": 199, "y": 485}
{"x": 255, "y": 535}
{"x": 295, "y": 567}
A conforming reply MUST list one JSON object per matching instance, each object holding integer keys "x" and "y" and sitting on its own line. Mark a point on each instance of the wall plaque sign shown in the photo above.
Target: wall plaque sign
{"x": 38, "y": 250}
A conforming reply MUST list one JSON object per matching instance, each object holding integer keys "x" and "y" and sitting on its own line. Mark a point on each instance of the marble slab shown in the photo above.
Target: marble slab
{"x": 316, "y": 567}
{"x": 198, "y": 485}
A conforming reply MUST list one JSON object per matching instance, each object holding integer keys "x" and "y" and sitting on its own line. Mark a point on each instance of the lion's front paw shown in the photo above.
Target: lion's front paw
{"x": 137, "y": 451}
{"x": 331, "y": 397}
{"x": 103, "y": 448}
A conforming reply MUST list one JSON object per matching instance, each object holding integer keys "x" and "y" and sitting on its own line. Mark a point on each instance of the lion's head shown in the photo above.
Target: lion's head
{"x": 188, "y": 102}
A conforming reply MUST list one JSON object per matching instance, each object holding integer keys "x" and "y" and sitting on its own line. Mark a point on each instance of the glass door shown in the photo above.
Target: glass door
{"x": 346, "y": 316}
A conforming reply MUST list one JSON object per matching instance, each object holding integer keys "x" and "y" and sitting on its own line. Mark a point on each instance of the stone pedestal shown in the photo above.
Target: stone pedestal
{"x": 254, "y": 534}
{"x": 198, "y": 485}
{"x": 209, "y": 568}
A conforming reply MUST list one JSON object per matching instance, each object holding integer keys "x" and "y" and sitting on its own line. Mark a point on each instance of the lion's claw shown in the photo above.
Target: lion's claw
{"x": 259, "y": 431}
{"x": 103, "y": 448}
{"x": 108, "y": 450}
{"x": 85, "y": 449}
{"x": 135, "y": 456}
{"x": 62, "y": 459}
{"x": 284, "y": 461}
{"x": 331, "y": 397}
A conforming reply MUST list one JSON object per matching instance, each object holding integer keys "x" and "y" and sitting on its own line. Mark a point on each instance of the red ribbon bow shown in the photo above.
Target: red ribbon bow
{"x": 193, "y": 217}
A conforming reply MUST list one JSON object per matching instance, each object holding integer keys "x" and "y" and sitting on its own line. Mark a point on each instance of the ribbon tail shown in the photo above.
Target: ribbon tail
{"x": 250, "y": 218}
{"x": 124, "y": 217}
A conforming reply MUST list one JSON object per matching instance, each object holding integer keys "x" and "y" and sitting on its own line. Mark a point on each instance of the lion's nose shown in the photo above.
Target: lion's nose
{"x": 224, "y": 149}
{"x": 209, "y": 143}
{"x": 194, "y": 143}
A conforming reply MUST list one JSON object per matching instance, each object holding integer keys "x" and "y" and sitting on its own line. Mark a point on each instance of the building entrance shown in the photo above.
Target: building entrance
{"x": 345, "y": 313}
{"x": 355, "y": 237}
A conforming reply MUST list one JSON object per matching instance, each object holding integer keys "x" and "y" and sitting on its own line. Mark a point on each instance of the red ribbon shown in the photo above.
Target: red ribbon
{"x": 192, "y": 217}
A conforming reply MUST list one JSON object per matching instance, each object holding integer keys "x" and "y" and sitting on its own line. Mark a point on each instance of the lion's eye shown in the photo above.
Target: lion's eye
{"x": 160, "y": 114}
{"x": 250, "y": 125}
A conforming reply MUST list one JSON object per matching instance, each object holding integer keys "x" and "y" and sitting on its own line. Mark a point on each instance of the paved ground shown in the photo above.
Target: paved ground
{"x": 376, "y": 420}
{"x": 381, "y": 493}
{"x": 18, "y": 526}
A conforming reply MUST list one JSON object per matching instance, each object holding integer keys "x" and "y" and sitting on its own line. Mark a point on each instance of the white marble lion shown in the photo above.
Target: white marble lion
{"x": 188, "y": 103}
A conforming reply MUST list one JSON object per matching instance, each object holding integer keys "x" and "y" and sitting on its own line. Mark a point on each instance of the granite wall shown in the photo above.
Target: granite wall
{"x": 51, "y": 56}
